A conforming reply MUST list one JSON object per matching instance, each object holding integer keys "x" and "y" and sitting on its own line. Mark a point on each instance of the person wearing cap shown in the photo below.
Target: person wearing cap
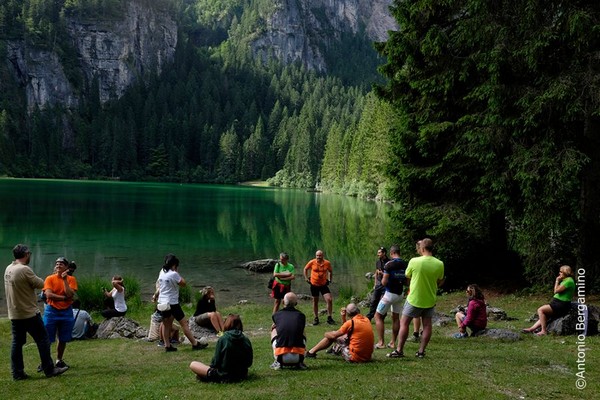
{"x": 378, "y": 289}
{"x": 20, "y": 283}
{"x": 60, "y": 288}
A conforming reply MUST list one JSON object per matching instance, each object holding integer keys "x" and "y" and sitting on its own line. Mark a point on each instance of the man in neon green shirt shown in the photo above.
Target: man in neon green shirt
{"x": 426, "y": 274}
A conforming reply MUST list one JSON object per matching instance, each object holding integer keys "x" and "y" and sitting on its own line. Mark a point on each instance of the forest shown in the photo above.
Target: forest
{"x": 478, "y": 119}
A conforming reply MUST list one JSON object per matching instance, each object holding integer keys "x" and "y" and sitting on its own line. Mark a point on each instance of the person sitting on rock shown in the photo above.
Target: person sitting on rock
{"x": 564, "y": 289}
{"x": 206, "y": 314}
{"x": 476, "y": 314}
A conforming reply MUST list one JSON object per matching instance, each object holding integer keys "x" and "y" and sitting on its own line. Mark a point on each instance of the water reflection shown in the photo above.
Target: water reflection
{"x": 127, "y": 228}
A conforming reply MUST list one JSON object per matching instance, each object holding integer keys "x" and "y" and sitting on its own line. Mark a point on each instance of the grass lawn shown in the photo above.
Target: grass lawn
{"x": 474, "y": 368}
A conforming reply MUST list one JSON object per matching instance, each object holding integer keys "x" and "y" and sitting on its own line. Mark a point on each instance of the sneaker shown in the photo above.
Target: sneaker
{"x": 316, "y": 321}
{"x": 275, "y": 366}
{"x": 56, "y": 371}
{"x": 40, "y": 368}
{"x": 420, "y": 354}
{"x": 61, "y": 364}
{"x": 20, "y": 377}
{"x": 170, "y": 348}
{"x": 415, "y": 338}
{"x": 199, "y": 346}
{"x": 301, "y": 366}
{"x": 330, "y": 320}
{"x": 459, "y": 335}
{"x": 310, "y": 355}
{"x": 173, "y": 341}
{"x": 161, "y": 343}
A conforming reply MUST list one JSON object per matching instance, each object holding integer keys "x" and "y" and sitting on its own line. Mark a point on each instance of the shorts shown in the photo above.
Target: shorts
{"x": 280, "y": 290}
{"x": 60, "y": 321}
{"x": 287, "y": 359}
{"x": 316, "y": 290}
{"x": 559, "y": 308}
{"x": 174, "y": 311}
{"x": 390, "y": 300}
{"x": 203, "y": 320}
{"x": 213, "y": 375}
{"x": 416, "y": 312}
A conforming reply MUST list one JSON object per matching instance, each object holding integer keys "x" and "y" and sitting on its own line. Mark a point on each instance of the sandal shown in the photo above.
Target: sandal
{"x": 395, "y": 354}
{"x": 420, "y": 354}
{"x": 379, "y": 346}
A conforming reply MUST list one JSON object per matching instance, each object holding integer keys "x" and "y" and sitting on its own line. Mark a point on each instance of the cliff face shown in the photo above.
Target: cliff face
{"x": 116, "y": 53}
{"x": 298, "y": 29}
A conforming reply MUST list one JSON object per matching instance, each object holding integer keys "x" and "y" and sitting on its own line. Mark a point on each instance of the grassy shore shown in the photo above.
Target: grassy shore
{"x": 474, "y": 368}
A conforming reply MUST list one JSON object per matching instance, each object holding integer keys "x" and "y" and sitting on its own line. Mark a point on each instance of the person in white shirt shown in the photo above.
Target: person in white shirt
{"x": 118, "y": 295}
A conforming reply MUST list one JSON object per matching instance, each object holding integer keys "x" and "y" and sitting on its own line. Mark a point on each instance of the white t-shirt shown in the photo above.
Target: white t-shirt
{"x": 119, "y": 299}
{"x": 169, "y": 287}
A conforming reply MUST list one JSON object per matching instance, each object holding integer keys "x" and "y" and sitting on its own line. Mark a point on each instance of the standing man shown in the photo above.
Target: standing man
{"x": 284, "y": 274}
{"x": 20, "y": 283}
{"x": 426, "y": 274}
{"x": 319, "y": 274}
{"x": 287, "y": 335}
{"x": 60, "y": 288}
{"x": 378, "y": 289}
{"x": 393, "y": 281}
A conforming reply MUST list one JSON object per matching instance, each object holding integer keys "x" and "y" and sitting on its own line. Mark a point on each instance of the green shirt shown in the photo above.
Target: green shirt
{"x": 280, "y": 268}
{"x": 424, "y": 273}
{"x": 567, "y": 294}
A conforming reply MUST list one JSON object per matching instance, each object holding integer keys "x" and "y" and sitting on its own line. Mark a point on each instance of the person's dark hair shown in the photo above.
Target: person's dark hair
{"x": 20, "y": 251}
{"x": 395, "y": 249}
{"x": 170, "y": 261}
{"x": 72, "y": 267}
{"x": 383, "y": 249}
{"x": 477, "y": 292}
{"x": 233, "y": 322}
{"x": 76, "y": 303}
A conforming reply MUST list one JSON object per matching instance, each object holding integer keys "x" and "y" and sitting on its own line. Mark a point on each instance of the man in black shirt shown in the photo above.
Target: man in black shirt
{"x": 287, "y": 335}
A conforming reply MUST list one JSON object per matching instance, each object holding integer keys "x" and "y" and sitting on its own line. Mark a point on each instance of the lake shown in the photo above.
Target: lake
{"x": 123, "y": 228}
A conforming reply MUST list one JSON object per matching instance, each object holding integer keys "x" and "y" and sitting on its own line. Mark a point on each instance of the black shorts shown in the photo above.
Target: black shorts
{"x": 316, "y": 290}
{"x": 174, "y": 311}
{"x": 560, "y": 308}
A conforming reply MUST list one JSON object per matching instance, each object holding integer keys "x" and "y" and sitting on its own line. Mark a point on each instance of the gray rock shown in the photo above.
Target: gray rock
{"x": 440, "y": 319}
{"x": 199, "y": 331}
{"x": 265, "y": 265}
{"x": 493, "y": 313}
{"x": 121, "y": 327}
{"x": 588, "y": 315}
{"x": 501, "y": 334}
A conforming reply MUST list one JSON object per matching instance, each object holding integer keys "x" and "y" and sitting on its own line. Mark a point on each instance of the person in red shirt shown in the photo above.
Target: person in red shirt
{"x": 319, "y": 275}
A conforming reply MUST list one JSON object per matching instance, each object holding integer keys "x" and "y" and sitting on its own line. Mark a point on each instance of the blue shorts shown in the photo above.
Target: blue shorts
{"x": 60, "y": 321}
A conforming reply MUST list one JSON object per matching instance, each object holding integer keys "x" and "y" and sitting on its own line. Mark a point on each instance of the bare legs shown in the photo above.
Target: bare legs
{"x": 199, "y": 369}
{"x": 277, "y": 304}
{"x": 543, "y": 312}
{"x": 329, "y": 301}
{"x": 217, "y": 321}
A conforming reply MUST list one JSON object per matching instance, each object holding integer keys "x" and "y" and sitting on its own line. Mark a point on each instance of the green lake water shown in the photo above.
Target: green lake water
{"x": 127, "y": 228}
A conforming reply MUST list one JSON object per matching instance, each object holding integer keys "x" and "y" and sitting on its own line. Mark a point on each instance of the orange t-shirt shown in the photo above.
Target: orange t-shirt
{"x": 56, "y": 284}
{"x": 362, "y": 339}
{"x": 318, "y": 273}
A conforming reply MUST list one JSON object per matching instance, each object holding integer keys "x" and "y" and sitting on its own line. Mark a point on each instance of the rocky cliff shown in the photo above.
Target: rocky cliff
{"x": 298, "y": 30}
{"x": 115, "y": 52}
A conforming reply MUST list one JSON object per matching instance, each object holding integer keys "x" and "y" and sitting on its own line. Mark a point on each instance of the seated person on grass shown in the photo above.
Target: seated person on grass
{"x": 354, "y": 340}
{"x": 287, "y": 334}
{"x": 233, "y": 355}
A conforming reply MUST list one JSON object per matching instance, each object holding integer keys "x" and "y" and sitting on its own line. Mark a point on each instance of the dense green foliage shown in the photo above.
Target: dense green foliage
{"x": 498, "y": 146}
{"x": 215, "y": 115}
